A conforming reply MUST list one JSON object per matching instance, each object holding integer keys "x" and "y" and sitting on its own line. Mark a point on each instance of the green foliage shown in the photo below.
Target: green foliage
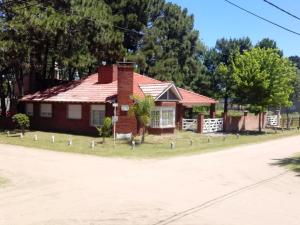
{"x": 106, "y": 129}
{"x": 201, "y": 109}
{"x": 22, "y": 121}
{"x": 170, "y": 49}
{"x": 218, "y": 62}
{"x": 142, "y": 111}
{"x": 263, "y": 79}
{"x": 267, "y": 43}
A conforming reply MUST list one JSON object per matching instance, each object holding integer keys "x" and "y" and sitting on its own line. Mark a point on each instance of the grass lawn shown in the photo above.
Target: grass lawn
{"x": 155, "y": 146}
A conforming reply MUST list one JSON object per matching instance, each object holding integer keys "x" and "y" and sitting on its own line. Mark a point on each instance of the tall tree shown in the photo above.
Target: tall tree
{"x": 263, "y": 79}
{"x": 218, "y": 62}
{"x": 43, "y": 36}
{"x": 267, "y": 43}
{"x": 170, "y": 48}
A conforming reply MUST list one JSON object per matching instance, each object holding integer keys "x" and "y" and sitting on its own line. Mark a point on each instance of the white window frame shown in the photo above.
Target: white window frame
{"x": 96, "y": 108}
{"x": 46, "y": 110}
{"x": 161, "y": 123}
{"x": 74, "y": 112}
{"x": 29, "y": 109}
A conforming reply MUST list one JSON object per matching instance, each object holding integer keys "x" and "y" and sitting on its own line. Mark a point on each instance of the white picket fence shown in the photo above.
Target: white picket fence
{"x": 210, "y": 125}
{"x": 189, "y": 124}
{"x": 213, "y": 125}
{"x": 273, "y": 121}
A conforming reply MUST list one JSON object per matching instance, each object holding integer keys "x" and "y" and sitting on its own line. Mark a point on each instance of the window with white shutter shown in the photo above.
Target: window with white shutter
{"x": 75, "y": 111}
{"x": 46, "y": 110}
{"x": 29, "y": 109}
{"x": 97, "y": 115}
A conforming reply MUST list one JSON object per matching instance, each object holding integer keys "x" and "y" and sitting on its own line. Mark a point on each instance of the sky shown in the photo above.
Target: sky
{"x": 215, "y": 19}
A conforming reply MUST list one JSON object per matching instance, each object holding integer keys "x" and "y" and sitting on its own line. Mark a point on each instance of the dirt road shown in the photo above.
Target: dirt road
{"x": 232, "y": 187}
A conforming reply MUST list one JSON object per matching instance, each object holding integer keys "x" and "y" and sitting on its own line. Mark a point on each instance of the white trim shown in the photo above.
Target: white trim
{"x": 176, "y": 92}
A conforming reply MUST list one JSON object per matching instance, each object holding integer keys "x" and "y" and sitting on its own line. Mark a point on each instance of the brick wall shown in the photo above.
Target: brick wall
{"x": 60, "y": 122}
{"x": 243, "y": 123}
{"x": 126, "y": 123}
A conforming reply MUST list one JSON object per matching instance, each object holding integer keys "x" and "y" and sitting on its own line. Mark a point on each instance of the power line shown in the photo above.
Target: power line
{"x": 262, "y": 18}
{"x": 272, "y": 4}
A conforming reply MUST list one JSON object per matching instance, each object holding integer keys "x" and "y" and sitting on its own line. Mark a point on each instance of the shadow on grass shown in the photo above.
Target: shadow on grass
{"x": 292, "y": 163}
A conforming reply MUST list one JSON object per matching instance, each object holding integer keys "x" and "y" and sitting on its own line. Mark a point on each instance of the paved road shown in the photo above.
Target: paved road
{"x": 232, "y": 187}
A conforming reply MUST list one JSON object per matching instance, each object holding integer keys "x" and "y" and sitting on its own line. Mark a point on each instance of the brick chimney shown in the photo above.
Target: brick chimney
{"x": 107, "y": 74}
{"x": 125, "y": 124}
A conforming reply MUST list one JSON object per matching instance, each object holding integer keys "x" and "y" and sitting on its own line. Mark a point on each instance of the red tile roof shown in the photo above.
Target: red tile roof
{"x": 89, "y": 90}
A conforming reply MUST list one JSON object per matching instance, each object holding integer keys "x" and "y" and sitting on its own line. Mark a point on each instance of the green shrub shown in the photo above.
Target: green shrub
{"x": 106, "y": 129}
{"x": 22, "y": 121}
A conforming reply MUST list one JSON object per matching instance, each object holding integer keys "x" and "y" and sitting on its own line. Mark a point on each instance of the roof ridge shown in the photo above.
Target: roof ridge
{"x": 138, "y": 74}
{"x": 195, "y": 93}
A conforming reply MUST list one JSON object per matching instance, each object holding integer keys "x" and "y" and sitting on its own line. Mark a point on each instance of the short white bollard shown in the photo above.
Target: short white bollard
{"x": 21, "y": 135}
{"x": 133, "y": 145}
{"x": 35, "y": 137}
{"x": 172, "y": 145}
{"x": 7, "y": 133}
{"x": 70, "y": 142}
{"x": 52, "y": 138}
{"x": 93, "y": 144}
{"x": 238, "y": 136}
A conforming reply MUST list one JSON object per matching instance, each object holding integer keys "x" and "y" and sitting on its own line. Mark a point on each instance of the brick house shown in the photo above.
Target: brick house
{"x": 80, "y": 106}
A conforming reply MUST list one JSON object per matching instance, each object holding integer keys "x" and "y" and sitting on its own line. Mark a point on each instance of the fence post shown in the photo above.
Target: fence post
{"x": 212, "y": 112}
{"x": 224, "y": 116}
{"x": 278, "y": 117}
{"x": 200, "y": 123}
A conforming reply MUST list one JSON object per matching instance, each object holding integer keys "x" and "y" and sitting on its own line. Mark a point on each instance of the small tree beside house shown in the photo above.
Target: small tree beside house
{"x": 22, "y": 121}
{"x": 142, "y": 111}
{"x": 106, "y": 129}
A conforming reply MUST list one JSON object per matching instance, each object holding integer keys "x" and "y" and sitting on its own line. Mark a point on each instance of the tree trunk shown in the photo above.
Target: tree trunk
{"x": 259, "y": 122}
{"x": 226, "y": 104}
{"x": 287, "y": 120}
{"x": 45, "y": 61}
{"x": 143, "y": 135}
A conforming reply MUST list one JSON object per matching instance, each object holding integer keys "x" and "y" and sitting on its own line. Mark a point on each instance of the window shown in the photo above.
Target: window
{"x": 169, "y": 95}
{"x": 46, "y": 110}
{"x": 29, "y": 109}
{"x": 75, "y": 112}
{"x": 97, "y": 115}
{"x": 163, "y": 117}
{"x": 155, "y": 118}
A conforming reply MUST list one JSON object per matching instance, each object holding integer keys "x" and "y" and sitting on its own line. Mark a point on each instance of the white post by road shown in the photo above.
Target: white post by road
{"x": 115, "y": 105}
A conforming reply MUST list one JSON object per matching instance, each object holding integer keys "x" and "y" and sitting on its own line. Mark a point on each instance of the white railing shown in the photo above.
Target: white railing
{"x": 273, "y": 121}
{"x": 189, "y": 124}
{"x": 213, "y": 125}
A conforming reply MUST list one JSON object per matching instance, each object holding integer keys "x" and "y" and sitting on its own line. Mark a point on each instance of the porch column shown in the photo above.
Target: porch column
{"x": 200, "y": 123}
{"x": 212, "y": 112}
{"x": 179, "y": 117}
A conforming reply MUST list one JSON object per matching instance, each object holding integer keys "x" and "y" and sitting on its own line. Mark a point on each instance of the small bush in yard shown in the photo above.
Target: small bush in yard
{"x": 106, "y": 129}
{"x": 22, "y": 121}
